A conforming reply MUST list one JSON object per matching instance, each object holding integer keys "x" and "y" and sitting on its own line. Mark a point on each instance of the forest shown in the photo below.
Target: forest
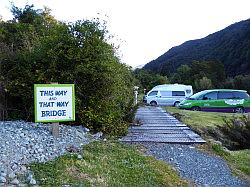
{"x": 201, "y": 75}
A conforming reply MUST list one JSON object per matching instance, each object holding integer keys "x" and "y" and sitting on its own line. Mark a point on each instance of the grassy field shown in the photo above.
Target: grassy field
{"x": 198, "y": 119}
{"x": 106, "y": 164}
{"x": 201, "y": 121}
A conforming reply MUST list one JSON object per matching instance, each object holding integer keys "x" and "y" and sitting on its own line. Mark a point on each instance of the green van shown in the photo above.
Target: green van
{"x": 220, "y": 100}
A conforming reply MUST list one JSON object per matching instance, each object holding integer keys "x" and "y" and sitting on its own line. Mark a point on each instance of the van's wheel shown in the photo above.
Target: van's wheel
{"x": 177, "y": 103}
{"x": 239, "y": 110}
{"x": 196, "y": 108}
{"x": 153, "y": 103}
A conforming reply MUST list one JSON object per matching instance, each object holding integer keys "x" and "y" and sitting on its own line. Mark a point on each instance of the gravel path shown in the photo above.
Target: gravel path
{"x": 23, "y": 142}
{"x": 203, "y": 169}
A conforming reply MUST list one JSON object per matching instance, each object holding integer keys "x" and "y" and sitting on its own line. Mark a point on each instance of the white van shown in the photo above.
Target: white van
{"x": 168, "y": 94}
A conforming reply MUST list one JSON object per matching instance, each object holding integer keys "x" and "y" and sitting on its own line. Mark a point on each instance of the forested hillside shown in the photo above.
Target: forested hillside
{"x": 231, "y": 46}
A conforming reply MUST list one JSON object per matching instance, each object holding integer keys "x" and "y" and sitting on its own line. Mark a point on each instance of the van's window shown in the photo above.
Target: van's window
{"x": 166, "y": 93}
{"x": 153, "y": 93}
{"x": 240, "y": 95}
{"x": 225, "y": 95}
{"x": 178, "y": 93}
{"x": 210, "y": 96}
{"x": 188, "y": 91}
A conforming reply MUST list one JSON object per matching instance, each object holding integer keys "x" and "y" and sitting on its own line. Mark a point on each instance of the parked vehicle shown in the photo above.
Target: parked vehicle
{"x": 168, "y": 94}
{"x": 220, "y": 100}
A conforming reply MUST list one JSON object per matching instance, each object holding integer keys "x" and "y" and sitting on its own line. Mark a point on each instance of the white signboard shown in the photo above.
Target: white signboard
{"x": 54, "y": 102}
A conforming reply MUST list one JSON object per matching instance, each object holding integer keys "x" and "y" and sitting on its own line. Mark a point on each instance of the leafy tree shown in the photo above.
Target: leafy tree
{"x": 182, "y": 76}
{"x": 203, "y": 84}
{"x": 43, "y": 50}
{"x": 242, "y": 82}
{"x": 147, "y": 80}
{"x": 216, "y": 72}
{"x": 193, "y": 74}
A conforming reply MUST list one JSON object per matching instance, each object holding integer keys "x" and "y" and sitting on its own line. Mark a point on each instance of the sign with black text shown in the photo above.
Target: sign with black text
{"x": 54, "y": 102}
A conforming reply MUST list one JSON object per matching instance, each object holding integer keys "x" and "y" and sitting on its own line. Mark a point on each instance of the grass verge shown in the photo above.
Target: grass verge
{"x": 106, "y": 164}
{"x": 198, "y": 119}
{"x": 206, "y": 122}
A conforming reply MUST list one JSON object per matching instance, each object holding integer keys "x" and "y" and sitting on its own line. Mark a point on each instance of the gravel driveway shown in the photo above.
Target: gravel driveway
{"x": 203, "y": 169}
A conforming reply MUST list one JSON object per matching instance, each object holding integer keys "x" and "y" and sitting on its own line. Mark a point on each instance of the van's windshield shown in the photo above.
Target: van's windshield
{"x": 197, "y": 95}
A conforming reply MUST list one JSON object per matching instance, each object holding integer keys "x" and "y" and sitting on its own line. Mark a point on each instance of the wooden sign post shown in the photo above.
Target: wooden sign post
{"x": 55, "y": 129}
{"x": 55, "y": 126}
{"x": 54, "y": 103}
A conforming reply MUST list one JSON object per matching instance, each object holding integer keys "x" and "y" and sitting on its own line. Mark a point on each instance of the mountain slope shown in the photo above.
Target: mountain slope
{"x": 231, "y": 46}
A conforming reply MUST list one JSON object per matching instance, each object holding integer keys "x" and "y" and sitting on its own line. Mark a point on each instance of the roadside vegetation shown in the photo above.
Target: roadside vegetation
{"x": 147, "y": 80}
{"x": 35, "y": 48}
{"x": 106, "y": 164}
{"x": 221, "y": 130}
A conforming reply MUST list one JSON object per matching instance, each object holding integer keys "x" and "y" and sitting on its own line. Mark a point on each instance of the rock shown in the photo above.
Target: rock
{"x": 15, "y": 182}
{"x": 29, "y": 177}
{"x": 72, "y": 149}
{"x": 14, "y": 166}
{"x": 22, "y": 185}
{"x": 80, "y": 134}
{"x": 86, "y": 129}
{"x": 98, "y": 135}
{"x": 23, "y": 169}
{"x": 2, "y": 170}
{"x": 2, "y": 179}
{"x": 2, "y": 174}
{"x": 40, "y": 150}
{"x": 32, "y": 181}
{"x": 79, "y": 157}
{"x": 205, "y": 185}
{"x": 12, "y": 175}
{"x": 226, "y": 150}
{"x": 217, "y": 142}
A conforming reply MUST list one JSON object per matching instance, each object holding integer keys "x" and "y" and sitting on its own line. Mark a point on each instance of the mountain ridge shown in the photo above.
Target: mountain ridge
{"x": 231, "y": 46}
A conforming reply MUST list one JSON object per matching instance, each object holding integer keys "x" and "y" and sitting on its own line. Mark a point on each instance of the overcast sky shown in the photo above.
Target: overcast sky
{"x": 145, "y": 29}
